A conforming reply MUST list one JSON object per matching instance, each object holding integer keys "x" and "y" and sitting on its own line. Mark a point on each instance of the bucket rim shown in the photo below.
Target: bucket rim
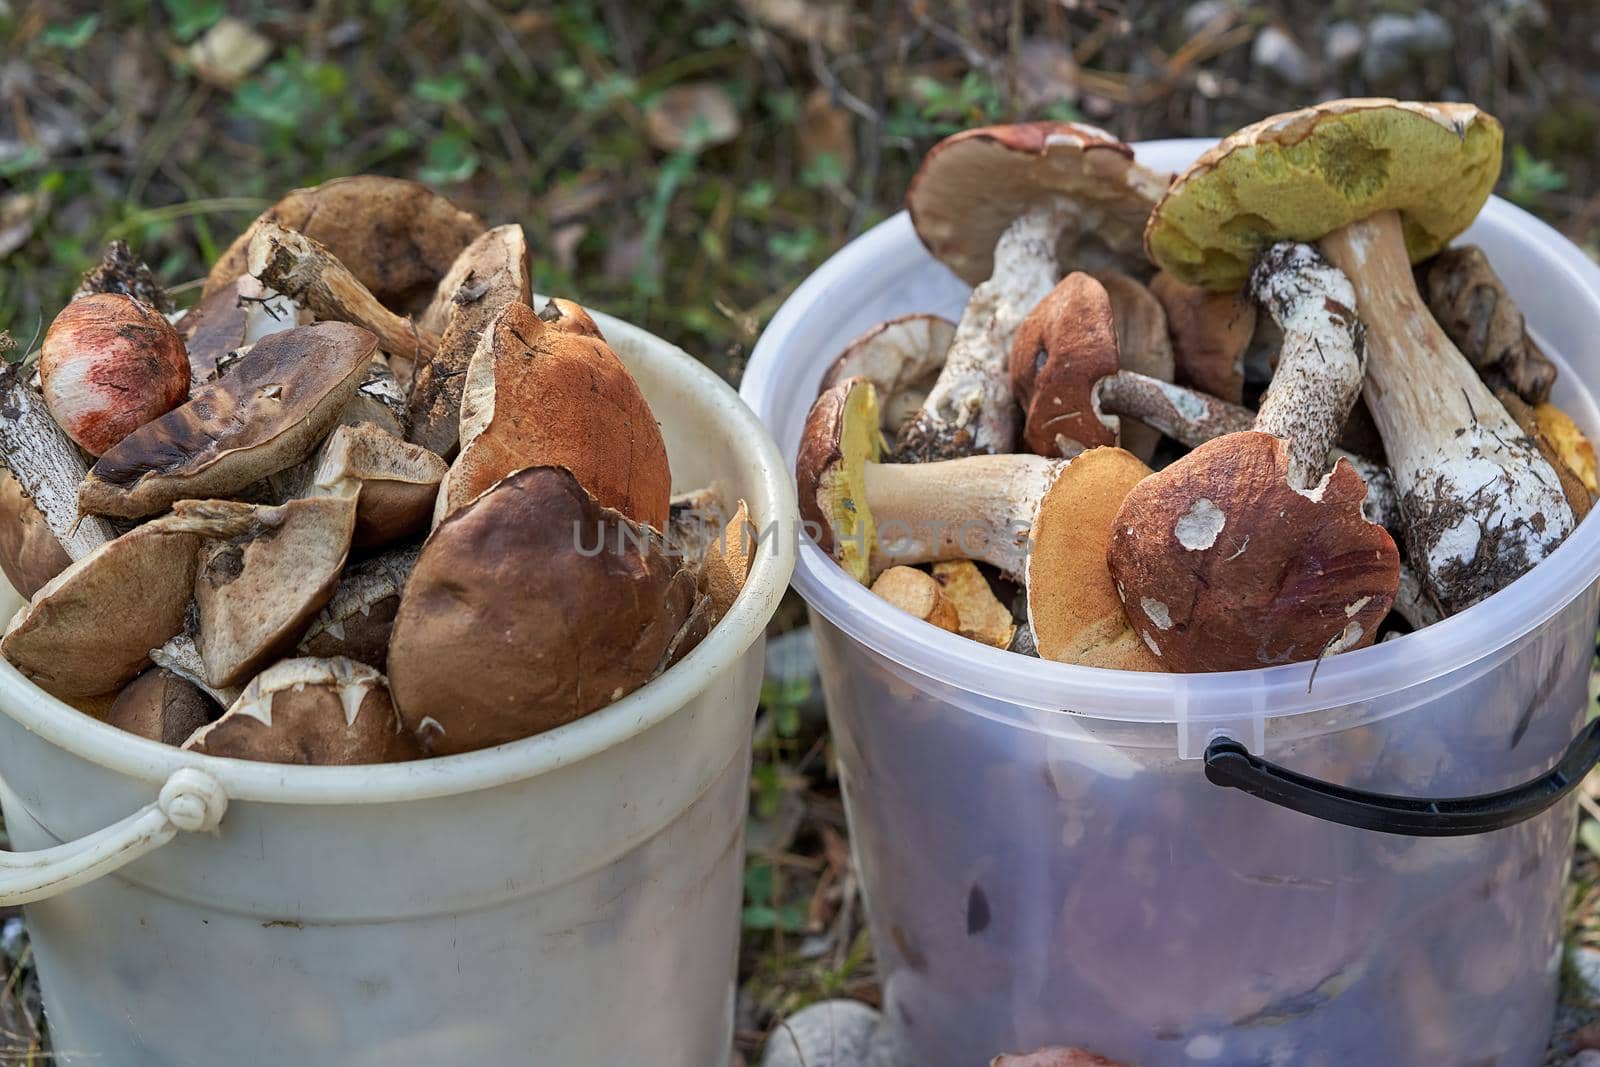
{"x": 1351, "y": 678}
{"x": 771, "y": 499}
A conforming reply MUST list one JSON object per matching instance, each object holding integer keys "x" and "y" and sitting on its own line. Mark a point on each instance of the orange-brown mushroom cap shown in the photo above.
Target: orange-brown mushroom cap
{"x": 974, "y": 184}
{"x": 1065, "y": 345}
{"x": 1222, "y": 566}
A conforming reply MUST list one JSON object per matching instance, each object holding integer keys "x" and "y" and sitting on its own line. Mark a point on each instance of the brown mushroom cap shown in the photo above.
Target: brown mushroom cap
{"x": 213, "y": 328}
{"x": 1065, "y": 345}
{"x": 1073, "y": 605}
{"x": 535, "y": 396}
{"x": 841, "y": 436}
{"x": 90, "y": 629}
{"x": 108, "y": 365}
{"x": 30, "y": 555}
{"x": 727, "y": 560}
{"x": 397, "y": 237}
{"x": 161, "y": 706}
{"x": 1304, "y": 174}
{"x": 1143, "y": 346}
{"x": 489, "y": 274}
{"x": 901, "y": 358}
{"x": 267, "y": 413}
{"x": 264, "y": 574}
{"x": 1475, "y": 309}
{"x": 1210, "y": 335}
{"x": 1222, "y": 566}
{"x": 359, "y": 618}
{"x": 395, "y": 482}
{"x": 974, "y": 184}
{"x": 530, "y": 607}
{"x": 568, "y": 317}
{"x": 327, "y": 712}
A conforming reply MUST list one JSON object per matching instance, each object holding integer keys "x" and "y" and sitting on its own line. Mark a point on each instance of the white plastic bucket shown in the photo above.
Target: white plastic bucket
{"x": 572, "y": 898}
{"x": 1044, "y": 859}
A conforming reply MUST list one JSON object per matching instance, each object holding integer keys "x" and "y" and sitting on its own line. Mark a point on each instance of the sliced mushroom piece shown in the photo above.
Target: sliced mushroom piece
{"x": 359, "y": 618}
{"x": 916, "y": 593}
{"x": 569, "y": 317}
{"x": 535, "y": 396}
{"x": 1243, "y": 554}
{"x": 901, "y": 358}
{"x": 30, "y": 555}
{"x": 1476, "y": 312}
{"x": 46, "y": 464}
{"x": 1042, "y": 522}
{"x": 397, "y": 237}
{"x": 1569, "y": 442}
{"x": 162, "y": 706}
{"x": 90, "y": 629}
{"x": 1143, "y": 347}
{"x": 983, "y": 617}
{"x": 264, "y": 572}
{"x": 324, "y": 712}
{"x": 530, "y": 607}
{"x": 394, "y": 483}
{"x": 1002, "y": 206}
{"x": 1054, "y": 1057}
{"x": 1381, "y": 184}
{"x": 266, "y": 414}
{"x": 120, "y": 271}
{"x": 293, "y": 264}
{"x": 491, "y": 273}
{"x": 1210, "y": 334}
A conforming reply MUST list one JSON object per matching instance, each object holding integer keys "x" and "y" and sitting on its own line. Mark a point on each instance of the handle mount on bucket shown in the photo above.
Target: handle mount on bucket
{"x": 192, "y": 801}
{"x": 1228, "y": 763}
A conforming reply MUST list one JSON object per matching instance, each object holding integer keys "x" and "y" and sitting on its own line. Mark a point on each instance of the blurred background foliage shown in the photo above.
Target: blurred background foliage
{"x": 684, "y": 164}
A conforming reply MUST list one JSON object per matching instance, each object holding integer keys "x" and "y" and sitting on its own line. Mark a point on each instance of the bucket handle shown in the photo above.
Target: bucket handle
{"x": 191, "y": 801}
{"x": 1231, "y": 764}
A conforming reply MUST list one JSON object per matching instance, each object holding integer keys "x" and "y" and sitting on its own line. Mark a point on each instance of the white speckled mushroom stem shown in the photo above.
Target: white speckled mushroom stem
{"x": 978, "y": 508}
{"x": 970, "y": 409}
{"x": 1192, "y": 418}
{"x": 1481, "y": 505}
{"x": 47, "y": 465}
{"x": 1323, "y": 359}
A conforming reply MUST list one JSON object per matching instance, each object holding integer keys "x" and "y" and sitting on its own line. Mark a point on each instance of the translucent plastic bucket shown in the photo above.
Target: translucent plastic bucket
{"x": 568, "y": 899}
{"x": 1045, "y": 861}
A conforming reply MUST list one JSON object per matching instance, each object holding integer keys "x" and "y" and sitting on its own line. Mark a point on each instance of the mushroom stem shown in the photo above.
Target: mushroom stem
{"x": 976, "y": 507}
{"x": 1482, "y": 506}
{"x": 1323, "y": 359}
{"x": 303, "y": 270}
{"x": 970, "y": 409}
{"x": 47, "y": 465}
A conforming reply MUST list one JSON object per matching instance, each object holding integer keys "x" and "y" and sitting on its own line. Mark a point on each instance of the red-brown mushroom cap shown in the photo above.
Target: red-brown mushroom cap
{"x": 1222, "y": 566}
{"x": 974, "y": 184}
{"x": 1210, "y": 335}
{"x": 1065, "y": 345}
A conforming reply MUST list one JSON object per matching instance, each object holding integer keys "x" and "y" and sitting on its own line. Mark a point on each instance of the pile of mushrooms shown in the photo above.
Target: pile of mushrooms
{"x": 1258, "y": 413}
{"x": 362, "y": 503}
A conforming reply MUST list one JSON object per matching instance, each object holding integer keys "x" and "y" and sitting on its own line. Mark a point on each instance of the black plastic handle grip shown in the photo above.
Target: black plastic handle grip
{"x": 1228, "y": 763}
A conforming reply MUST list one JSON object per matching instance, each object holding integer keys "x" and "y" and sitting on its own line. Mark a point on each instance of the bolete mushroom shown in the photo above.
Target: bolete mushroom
{"x": 727, "y": 559}
{"x": 293, "y": 264}
{"x": 530, "y": 607}
{"x": 326, "y": 712}
{"x": 1042, "y": 522}
{"x": 1382, "y": 184}
{"x": 489, "y": 274}
{"x": 1243, "y": 554}
{"x": 1002, "y": 206}
{"x": 269, "y": 412}
{"x": 108, "y": 365}
{"x": 1474, "y": 308}
{"x": 901, "y": 358}
{"x": 397, "y": 237}
{"x": 982, "y": 617}
{"x": 567, "y": 316}
{"x": 394, "y": 482}
{"x": 30, "y": 555}
{"x": 359, "y": 617}
{"x": 1143, "y": 347}
{"x": 89, "y": 630}
{"x": 537, "y": 396}
{"x": 263, "y": 573}
{"x": 1210, "y": 334}
{"x": 162, "y": 706}
{"x": 231, "y": 318}
{"x": 916, "y": 593}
